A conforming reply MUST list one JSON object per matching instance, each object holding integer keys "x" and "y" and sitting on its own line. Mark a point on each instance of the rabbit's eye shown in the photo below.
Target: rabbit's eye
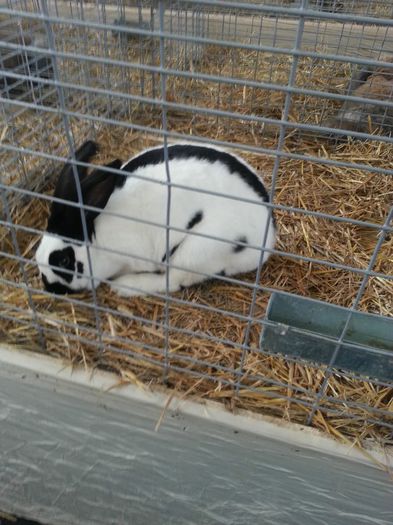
{"x": 64, "y": 262}
{"x": 61, "y": 260}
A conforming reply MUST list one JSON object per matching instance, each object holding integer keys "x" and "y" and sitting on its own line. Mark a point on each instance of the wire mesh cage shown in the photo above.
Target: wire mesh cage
{"x": 302, "y": 91}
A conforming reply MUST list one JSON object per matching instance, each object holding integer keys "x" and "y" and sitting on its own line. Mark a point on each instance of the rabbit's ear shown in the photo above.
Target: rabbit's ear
{"x": 96, "y": 189}
{"x": 99, "y": 186}
{"x": 84, "y": 154}
{"x": 65, "y": 187}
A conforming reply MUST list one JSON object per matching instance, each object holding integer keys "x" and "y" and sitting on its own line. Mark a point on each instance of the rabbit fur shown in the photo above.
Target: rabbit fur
{"x": 131, "y": 254}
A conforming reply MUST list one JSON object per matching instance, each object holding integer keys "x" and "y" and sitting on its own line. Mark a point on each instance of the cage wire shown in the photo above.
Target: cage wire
{"x": 300, "y": 89}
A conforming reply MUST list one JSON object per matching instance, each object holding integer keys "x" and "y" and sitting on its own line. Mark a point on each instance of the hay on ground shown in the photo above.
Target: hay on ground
{"x": 204, "y": 351}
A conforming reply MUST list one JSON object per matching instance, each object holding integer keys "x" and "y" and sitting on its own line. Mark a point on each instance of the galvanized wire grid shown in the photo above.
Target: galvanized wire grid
{"x": 103, "y": 75}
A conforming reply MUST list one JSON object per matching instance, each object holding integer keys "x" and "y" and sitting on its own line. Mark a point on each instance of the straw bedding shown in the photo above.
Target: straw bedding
{"x": 271, "y": 385}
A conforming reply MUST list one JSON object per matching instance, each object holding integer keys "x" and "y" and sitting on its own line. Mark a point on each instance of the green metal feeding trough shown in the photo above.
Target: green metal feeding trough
{"x": 310, "y": 330}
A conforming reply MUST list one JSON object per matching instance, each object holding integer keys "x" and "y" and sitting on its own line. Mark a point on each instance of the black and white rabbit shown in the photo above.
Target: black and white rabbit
{"x": 131, "y": 254}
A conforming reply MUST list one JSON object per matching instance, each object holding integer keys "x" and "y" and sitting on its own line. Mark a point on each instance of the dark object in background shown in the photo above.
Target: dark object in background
{"x": 126, "y": 37}
{"x": 23, "y": 62}
{"x": 368, "y": 82}
{"x": 331, "y": 6}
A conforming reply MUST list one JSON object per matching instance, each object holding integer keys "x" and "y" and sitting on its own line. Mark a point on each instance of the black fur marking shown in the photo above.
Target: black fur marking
{"x": 96, "y": 190}
{"x": 180, "y": 151}
{"x": 66, "y": 180}
{"x": 196, "y": 219}
{"x": 173, "y": 249}
{"x": 64, "y": 259}
{"x": 239, "y": 247}
{"x": 79, "y": 269}
{"x": 56, "y": 288}
{"x": 87, "y": 150}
